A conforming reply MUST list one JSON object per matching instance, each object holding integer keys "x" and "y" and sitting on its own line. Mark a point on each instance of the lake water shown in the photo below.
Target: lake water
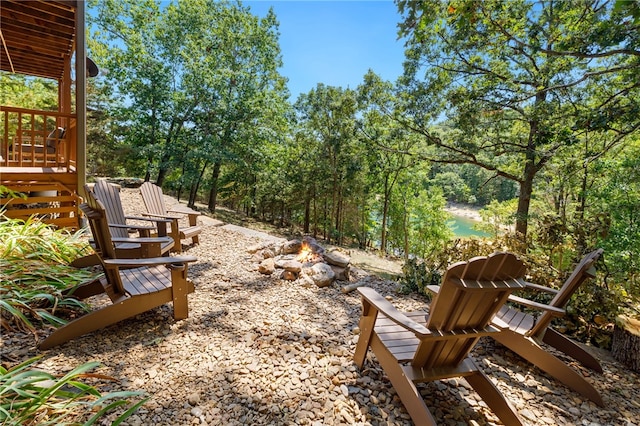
{"x": 463, "y": 227}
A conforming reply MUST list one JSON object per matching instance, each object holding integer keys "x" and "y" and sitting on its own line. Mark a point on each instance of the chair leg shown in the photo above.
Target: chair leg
{"x": 571, "y": 348}
{"x": 548, "y": 363}
{"x": 175, "y": 234}
{"x": 85, "y": 290}
{"x": 494, "y": 398}
{"x": 179, "y": 291}
{"x": 85, "y": 261}
{"x": 367, "y": 322}
{"x": 122, "y": 308}
{"x": 406, "y": 389}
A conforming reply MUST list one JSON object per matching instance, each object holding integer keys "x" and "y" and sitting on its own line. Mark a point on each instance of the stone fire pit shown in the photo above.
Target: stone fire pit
{"x": 305, "y": 261}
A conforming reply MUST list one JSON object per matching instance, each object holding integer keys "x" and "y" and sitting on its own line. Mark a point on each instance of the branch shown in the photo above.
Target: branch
{"x": 552, "y": 52}
{"x": 466, "y": 158}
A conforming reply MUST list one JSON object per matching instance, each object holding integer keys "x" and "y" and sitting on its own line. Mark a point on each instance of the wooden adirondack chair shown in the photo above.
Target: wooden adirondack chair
{"x": 419, "y": 347}
{"x": 154, "y": 202}
{"x": 119, "y": 224}
{"x": 122, "y": 231}
{"x": 523, "y": 332}
{"x": 133, "y": 285}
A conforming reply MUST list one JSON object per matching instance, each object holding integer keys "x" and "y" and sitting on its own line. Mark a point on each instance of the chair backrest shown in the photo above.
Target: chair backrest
{"x": 53, "y": 138}
{"x": 470, "y": 295}
{"x": 94, "y": 210}
{"x": 153, "y": 198}
{"x": 583, "y": 271}
{"x": 109, "y": 196}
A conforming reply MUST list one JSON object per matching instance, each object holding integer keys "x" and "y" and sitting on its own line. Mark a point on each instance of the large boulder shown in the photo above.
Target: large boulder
{"x": 291, "y": 247}
{"x": 337, "y": 258}
{"x": 267, "y": 266}
{"x": 321, "y": 274}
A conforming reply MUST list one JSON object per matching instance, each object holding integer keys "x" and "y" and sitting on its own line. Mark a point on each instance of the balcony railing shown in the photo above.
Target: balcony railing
{"x": 33, "y": 138}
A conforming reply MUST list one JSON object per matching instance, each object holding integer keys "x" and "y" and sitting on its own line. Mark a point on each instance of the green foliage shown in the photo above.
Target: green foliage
{"x": 592, "y": 312}
{"x": 498, "y": 217}
{"x": 387, "y": 159}
{"x": 28, "y": 92}
{"x": 618, "y": 203}
{"x": 30, "y": 396}
{"x": 327, "y": 121}
{"x": 35, "y": 240}
{"x": 34, "y": 272}
{"x": 544, "y": 109}
{"x": 107, "y": 153}
{"x": 477, "y": 186}
{"x": 428, "y": 229}
{"x": 453, "y": 186}
{"x": 417, "y": 274}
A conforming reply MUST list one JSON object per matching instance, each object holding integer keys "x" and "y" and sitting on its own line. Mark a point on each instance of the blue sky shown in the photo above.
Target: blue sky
{"x": 335, "y": 42}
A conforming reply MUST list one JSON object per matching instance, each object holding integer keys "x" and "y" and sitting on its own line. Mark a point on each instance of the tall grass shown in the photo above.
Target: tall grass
{"x": 30, "y": 396}
{"x": 34, "y": 272}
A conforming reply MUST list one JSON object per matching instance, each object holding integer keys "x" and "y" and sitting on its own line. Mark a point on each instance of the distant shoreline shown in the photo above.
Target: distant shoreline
{"x": 464, "y": 210}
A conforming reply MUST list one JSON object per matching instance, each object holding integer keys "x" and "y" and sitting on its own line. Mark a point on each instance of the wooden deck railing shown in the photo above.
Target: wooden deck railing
{"x": 52, "y": 202}
{"x": 33, "y": 138}
{"x": 38, "y": 161}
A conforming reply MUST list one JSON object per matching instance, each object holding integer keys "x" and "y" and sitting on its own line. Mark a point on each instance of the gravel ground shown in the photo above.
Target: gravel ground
{"x": 256, "y": 350}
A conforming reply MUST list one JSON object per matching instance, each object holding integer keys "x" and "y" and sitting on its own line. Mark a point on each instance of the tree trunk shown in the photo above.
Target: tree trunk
{"x": 307, "y": 214}
{"x": 315, "y": 215}
{"x": 385, "y": 211}
{"x": 625, "y": 346}
{"x": 364, "y": 241}
{"x": 213, "y": 193}
{"x": 325, "y": 216}
{"x": 193, "y": 194}
{"x": 162, "y": 169}
{"x": 193, "y": 191}
{"x": 582, "y": 198}
{"x": 405, "y": 228}
{"x": 524, "y": 201}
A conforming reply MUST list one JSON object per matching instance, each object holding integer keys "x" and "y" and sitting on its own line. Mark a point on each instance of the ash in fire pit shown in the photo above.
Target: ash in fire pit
{"x": 304, "y": 260}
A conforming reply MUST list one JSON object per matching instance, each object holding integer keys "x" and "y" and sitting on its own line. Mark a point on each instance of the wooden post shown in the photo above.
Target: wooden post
{"x": 625, "y": 346}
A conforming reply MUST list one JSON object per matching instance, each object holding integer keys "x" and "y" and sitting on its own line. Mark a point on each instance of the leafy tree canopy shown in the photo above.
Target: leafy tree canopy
{"x": 519, "y": 82}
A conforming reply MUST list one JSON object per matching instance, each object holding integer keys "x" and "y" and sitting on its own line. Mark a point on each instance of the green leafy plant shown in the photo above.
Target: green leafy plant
{"x": 416, "y": 275}
{"x": 33, "y": 239}
{"x": 33, "y": 289}
{"x": 35, "y": 274}
{"x": 30, "y": 396}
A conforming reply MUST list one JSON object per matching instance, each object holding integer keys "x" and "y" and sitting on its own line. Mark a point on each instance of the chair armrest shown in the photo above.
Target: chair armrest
{"x": 555, "y": 311}
{"x": 433, "y": 289}
{"x": 151, "y": 261}
{"x": 539, "y": 287}
{"x": 143, "y": 240}
{"x": 184, "y": 210}
{"x": 162, "y": 216}
{"x": 148, "y": 219}
{"x": 135, "y": 227}
{"x": 384, "y": 306}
